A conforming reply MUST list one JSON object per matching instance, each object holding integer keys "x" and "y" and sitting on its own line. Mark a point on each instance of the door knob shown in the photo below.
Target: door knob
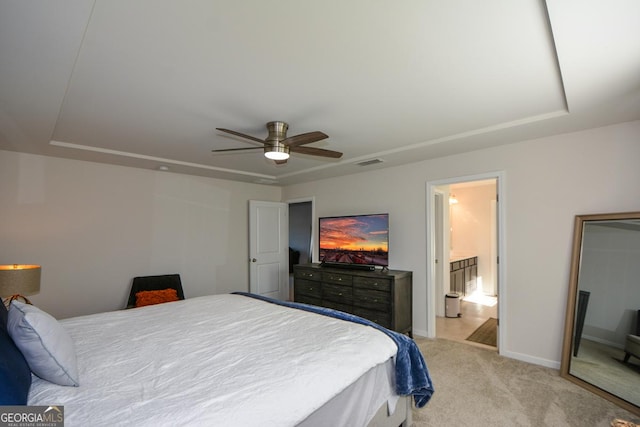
{"x": 253, "y": 260}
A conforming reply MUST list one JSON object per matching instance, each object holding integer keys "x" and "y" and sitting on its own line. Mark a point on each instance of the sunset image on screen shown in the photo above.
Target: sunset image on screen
{"x": 355, "y": 240}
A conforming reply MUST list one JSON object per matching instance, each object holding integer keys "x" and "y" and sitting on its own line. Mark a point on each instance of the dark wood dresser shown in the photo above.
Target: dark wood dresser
{"x": 384, "y": 297}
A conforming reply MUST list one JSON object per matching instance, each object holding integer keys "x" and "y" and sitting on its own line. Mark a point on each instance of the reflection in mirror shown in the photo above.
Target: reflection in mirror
{"x": 602, "y": 330}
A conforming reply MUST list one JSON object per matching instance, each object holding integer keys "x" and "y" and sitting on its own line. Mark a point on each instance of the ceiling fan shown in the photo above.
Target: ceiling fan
{"x": 277, "y": 146}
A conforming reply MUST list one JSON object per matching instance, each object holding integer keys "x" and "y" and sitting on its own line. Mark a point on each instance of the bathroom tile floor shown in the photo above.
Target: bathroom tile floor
{"x": 475, "y": 309}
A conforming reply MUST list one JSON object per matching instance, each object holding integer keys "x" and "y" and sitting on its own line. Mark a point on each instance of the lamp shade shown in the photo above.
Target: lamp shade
{"x": 19, "y": 279}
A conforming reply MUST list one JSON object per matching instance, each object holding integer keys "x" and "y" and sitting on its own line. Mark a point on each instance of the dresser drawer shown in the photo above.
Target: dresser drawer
{"x": 373, "y": 300}
{"x": 337, "y": 293}
{"x": 381, "y": 283}
{"x": 305, "y": 299}
{"x": 338, "y": 278}
{"x": 307, "y": 287}
{"x": 307, "y": 274}
{"x": 346, "y": 308}
{"x": 381, "y": 318}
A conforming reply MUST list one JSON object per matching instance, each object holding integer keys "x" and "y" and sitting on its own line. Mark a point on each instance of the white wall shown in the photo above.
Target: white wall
{"x": 547, "y": 182}
{"x": 94, "y": 227}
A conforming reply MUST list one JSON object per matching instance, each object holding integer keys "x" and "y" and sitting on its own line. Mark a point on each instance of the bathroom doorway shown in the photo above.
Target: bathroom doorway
{"x": 463, "y": 259}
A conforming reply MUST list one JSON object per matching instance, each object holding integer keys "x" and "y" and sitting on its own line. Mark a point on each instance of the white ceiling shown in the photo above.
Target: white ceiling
{"x": 145, "y": 83}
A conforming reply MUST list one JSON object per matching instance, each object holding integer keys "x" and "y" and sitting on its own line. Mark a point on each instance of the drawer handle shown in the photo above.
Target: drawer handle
{"x": 310, "y": 289}
{"x": 339, "y": 294}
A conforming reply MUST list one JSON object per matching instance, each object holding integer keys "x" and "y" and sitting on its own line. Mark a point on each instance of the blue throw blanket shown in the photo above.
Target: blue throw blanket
{"x": 412, "y": 375}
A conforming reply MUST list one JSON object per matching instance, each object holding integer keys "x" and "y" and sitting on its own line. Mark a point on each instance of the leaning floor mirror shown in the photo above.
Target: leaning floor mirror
{"x": 601, "y": 349}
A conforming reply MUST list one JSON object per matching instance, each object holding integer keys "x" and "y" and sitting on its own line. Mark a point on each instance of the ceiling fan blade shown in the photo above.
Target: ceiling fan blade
{"x": 236, "y": 149}
{"x": 316, "y": 152}
{"x": 242, "y": 135}
{"x": 305, "y": 138}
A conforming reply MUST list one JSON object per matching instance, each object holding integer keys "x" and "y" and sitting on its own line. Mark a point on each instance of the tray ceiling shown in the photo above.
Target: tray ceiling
{"x": 145, "y": 83}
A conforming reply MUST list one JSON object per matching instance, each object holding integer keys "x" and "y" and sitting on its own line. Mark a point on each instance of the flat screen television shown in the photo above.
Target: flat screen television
{"x": 354, "y": 239}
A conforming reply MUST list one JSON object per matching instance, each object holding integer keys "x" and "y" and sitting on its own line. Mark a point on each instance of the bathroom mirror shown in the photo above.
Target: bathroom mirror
{"x": 601, "y": 350}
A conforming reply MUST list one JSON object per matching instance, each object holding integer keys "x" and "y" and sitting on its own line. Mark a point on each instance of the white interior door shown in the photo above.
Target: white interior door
{"x": 269, "y": 249}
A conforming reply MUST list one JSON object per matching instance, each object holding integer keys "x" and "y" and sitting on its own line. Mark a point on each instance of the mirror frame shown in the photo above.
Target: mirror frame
{"x": 571, "y": 307}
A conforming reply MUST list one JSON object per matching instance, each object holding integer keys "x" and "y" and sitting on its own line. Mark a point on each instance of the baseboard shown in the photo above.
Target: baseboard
{"x": 604, "y": 342}
{"x": 419, "y": 333}
{"x": 553, "y": 364}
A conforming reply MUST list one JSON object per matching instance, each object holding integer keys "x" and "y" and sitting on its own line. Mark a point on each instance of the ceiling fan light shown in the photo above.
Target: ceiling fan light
{"x": 274, "y": 150}
{"x": 276, "y": 155}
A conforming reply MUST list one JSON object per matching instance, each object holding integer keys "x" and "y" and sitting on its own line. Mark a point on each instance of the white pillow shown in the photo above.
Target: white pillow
{"x": 44, "y": 343}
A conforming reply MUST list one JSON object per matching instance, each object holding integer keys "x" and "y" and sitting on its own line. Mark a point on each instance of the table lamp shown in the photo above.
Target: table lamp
{"x": 18, "y": 280}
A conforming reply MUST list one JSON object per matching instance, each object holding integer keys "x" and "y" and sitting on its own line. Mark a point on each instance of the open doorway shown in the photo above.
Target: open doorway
{"x": 301, "y": 232}
{"x": 463, "y": 285}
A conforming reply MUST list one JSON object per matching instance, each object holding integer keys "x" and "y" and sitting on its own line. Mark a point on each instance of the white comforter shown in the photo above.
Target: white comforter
{"x": 224, "y": 360}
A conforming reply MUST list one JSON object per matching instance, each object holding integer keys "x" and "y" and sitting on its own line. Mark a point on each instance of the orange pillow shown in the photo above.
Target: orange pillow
{"x": 155, "y": 297}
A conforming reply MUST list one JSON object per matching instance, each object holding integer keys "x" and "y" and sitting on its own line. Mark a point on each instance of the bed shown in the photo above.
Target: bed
{"x": 235, "y": 360}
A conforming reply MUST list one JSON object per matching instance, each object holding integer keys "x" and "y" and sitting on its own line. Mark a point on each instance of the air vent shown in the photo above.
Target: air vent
{"x": 264, "y": 181}
{"x": 369, "y": 162}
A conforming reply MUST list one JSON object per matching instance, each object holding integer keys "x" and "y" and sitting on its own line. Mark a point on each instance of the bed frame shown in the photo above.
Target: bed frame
{"x": 401, "y": 417}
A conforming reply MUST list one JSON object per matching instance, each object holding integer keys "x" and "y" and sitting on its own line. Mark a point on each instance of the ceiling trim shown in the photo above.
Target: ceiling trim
{"x": 156, "y": 159}
{"x": 448, "y": 138}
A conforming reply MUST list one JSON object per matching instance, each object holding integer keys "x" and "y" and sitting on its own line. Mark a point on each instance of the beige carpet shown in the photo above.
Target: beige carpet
{"x": 477, "y": 387}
